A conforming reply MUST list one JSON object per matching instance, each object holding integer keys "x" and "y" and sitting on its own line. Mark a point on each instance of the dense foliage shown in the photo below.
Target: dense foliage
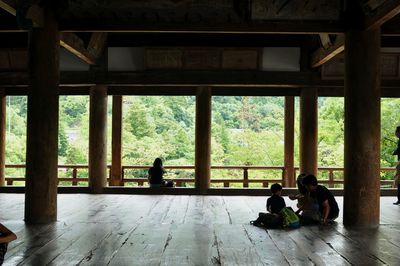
{"x": 245, "y": 131}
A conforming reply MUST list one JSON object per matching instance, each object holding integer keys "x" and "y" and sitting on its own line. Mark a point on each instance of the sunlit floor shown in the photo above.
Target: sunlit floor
{"x": 188, "y": 230}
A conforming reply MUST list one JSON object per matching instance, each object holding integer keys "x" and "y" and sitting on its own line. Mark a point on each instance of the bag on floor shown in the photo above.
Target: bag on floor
{"x": 268, "y": 220}
{"x": 289, "y": 218}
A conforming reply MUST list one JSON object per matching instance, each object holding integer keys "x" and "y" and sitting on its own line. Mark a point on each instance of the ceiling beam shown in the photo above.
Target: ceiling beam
{"x": 382, "y": 14}
{"x": 69, "y": 41}
{"x": 76, "y": 46}
{"x": 176, "y": 78}
{"x": 322, "y": 55}
{"x": 267, "y": 27}
{"x": 9, "y": 6}
{"x": 97, "y": 44}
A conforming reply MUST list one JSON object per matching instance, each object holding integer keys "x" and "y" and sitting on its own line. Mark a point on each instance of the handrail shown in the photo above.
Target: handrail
{"x": 226, "y": 182}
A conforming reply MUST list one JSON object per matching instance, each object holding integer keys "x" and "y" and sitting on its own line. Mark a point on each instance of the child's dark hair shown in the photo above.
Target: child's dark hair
{"x": 275, "y": 188}
{"x": 310, "y": 180}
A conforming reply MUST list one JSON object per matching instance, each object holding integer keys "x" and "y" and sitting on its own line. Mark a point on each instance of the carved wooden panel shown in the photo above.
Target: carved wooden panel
{"x": 170, "y": 11}
{"x": 240, "y": 59}
{"x": 4, "y": 61}
{"x": 163, "y": 58}
{"x": 335, "y": 69}
{"x": 390, "y": 65}
{"x": 19, "y": 59}
{"x": 202, "y": 58}
{"x": 13, "y": 59}
{"x": 296, "y": 9}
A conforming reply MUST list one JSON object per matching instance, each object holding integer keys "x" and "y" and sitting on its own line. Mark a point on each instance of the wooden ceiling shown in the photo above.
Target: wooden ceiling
{"x": 314, "y": 25}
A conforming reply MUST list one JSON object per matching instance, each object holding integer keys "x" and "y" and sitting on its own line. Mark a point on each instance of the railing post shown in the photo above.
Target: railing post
{"x": 331, "y": 179}
{"x": 245, "y": 177}
{"x": 226, "y": 183}
{"x": 285, "y": 182}
{"x": 122, "y": 176}
{"x": 74, "y": 176}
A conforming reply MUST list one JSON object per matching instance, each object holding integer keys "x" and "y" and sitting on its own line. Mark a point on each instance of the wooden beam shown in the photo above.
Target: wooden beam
{"x": 170, "y": 78}
{"x": 76, "y": 46}
{"x": 9, "y": 6}
{"x": 382, "y": 14}
{"x": 325, "y": 40}
{"x": 203, "y": 140}
{"x": 116, "y": 142}
{"x": 98, "y": 139}
{"x": 322, "y": 55}
{"x": 289, "y": 178}
{"x": 309, "y": 131}
{"x": 362, "y": 141}
{"x": 42, "y": 123}
{"x": 96, "y": 44}
{"x": 275, "y": 27}
{"x": 69, "y": 41}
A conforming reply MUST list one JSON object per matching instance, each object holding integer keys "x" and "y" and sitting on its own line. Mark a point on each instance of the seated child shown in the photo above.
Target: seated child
{"x": 275, "y": 204}
{"x": 6, "y": 236}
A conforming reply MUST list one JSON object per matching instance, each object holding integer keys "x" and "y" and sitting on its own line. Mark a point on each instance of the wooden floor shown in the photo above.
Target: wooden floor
{"x": 188, "y": 230}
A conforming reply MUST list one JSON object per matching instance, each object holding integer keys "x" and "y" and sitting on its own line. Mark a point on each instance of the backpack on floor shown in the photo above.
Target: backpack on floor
{"x": 268, "y": 220}
{"x": 289, "y": 218}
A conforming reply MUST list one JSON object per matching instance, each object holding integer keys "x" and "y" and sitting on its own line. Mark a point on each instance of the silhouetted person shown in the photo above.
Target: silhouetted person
{"x": 156, "y": 175}
{"x": 396, "y": 177}
{"x": 308, "y": 210}
{"x": 6, "y": 236}
{"x": 274, "y": 205}
{"x": 327, "y": 204}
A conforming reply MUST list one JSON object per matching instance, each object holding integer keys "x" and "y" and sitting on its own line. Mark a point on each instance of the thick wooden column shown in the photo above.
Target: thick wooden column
{"x": 289, "y": 179}
{"x": 98, "y": 139}
{"x": 116, "y": 143}
{"x": 42, "y": 123}
{"x": 2, "y": 136}
{"x": 203, "y": 139}
{"x": 362, "y": 128}
{"x": 309, "y": 131}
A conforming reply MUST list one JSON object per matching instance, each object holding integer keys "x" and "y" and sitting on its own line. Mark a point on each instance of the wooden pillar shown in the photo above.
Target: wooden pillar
{"x": 309, "y": 131}
{"x": 362, "y": 128}
{"x": 42, "y": 122}
{"x": 203, "y": 139}
{"x": 98, "y": 139}
{"x": 2, "y": 136}
{"x": 116, "y": 168}
{"x": 289, "y": 178}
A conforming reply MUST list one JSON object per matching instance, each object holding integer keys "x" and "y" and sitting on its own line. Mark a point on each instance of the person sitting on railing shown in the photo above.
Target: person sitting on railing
{"x": 396, "y": 177}
{"x": 6, "y": 236}
{"x": 328, "y": 207}
{"x": 156, "y": 175}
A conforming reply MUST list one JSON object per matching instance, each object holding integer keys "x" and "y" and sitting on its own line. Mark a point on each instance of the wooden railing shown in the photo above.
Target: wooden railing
{"x": 332, "y": 180}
